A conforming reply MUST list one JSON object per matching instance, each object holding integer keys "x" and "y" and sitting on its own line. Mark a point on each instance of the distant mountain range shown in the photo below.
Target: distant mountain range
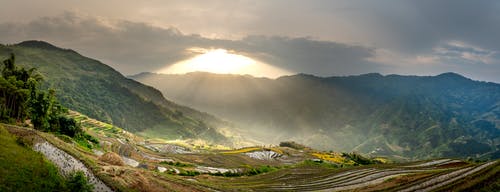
{"x": 400, "y": 116}
{"x": 95, "y": 89}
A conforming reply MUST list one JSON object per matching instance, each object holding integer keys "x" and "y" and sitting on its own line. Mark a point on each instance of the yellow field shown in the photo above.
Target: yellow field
{"x": 243, "y": 150}
{"x": 382, "y": 160}
{"x": 333, "y": 157}
{"x": 250, "y": 149}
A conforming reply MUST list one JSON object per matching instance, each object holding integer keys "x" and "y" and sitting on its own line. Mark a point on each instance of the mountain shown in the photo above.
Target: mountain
{"x": 400, "y": 116}
{"x": 97, "y": 90}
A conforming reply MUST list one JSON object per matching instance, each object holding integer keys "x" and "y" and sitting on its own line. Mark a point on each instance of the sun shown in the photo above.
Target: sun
{"x": 221, "y": 61}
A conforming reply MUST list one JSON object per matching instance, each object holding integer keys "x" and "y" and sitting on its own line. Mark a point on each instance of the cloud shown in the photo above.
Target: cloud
{"x": 457, "y": 51}
{"x": 127, "y": 46}
{"x": 310, "y": 56}
{"x": 321, "y": 37}
{"x": 450, "y": 56}
{"x": 133, "y": 47}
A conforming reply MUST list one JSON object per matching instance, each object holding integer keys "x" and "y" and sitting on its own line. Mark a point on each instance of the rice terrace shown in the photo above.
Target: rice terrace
{"x": 249, "y": 95}
{"x": 290, "y": 167}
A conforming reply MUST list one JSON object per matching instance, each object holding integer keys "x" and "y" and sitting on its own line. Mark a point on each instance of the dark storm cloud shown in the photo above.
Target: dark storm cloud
{"x": 310, "y": 56}
{"x": 133, "y": 47}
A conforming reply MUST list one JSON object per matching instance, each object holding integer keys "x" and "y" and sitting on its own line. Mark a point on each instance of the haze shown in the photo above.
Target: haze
{"x": 323, "y": 38}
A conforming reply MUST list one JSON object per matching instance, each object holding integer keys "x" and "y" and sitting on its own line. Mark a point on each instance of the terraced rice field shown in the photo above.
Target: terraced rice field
{"x": 427, "y": 176}
{"x": 152, "y": 166}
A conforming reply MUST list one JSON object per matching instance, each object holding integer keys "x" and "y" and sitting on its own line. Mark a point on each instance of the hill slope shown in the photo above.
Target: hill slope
{"x": 22, "y": 169}
{"x": 411, "y": 116}
{"x": 93, "y": 88}
{"x": 131, "y": 164}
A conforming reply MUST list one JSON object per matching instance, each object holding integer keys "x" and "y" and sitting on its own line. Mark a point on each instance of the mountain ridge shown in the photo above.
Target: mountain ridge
{"x": 86, "y": 85}
{"x": 370, "y": 113}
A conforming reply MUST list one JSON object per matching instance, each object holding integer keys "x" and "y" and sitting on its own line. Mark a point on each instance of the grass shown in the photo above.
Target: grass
{"x": 22, "y": 169}
{"x": 320, "y": 164}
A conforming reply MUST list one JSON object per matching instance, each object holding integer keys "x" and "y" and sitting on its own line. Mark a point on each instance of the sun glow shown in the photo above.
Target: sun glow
{"x": 223, "y": 62}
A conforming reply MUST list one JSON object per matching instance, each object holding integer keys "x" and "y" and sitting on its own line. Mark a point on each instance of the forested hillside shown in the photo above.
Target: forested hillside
{"x": 95, "y": 89}
{"x": 410, "y": 116}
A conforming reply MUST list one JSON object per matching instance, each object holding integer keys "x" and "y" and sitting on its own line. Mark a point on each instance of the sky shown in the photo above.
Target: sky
{"x": 319, "y": 37}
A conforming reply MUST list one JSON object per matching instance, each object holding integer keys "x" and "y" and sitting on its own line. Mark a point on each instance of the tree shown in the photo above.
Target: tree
{"x": 14, "y": 90}
{"x": 21, "y": 97}
{"x": 40, "y": 104}
{"x": 68, "y": 126}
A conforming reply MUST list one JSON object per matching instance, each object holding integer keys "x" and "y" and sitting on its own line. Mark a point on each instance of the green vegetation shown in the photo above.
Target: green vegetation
{"x": 321, "y": 163}
{"x": 77, "y": 182}
{"x": 23, "y": 169}
{"x": 292, "y": 144}
{"x": 261, "y": 169}
{"x": 86, "y": 141}
{"x": 248, "y": 172}
{"x": 360, "y": 160}
{"x": 177, "y": 164}
{"x": 189, "y": 173}
{"x": 27, "y": 100}
{"x": 22, "y": 98}
{"x": 16, "y": 86}
{"x": 95, "y": 89}
{"x": 394, "y": 116}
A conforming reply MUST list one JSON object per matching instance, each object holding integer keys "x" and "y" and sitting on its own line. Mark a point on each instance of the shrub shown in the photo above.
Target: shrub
{"x": 68, "y": 126}
{"x": 77, "y": 182}
{"x": 292, "y": 144}
{"x": 189, "y": 173}
{"x": 177, "y": 164}
{"x": 249, "y": 172}
{"x": 359, "y": 159}
{"x": 91, "y": 138}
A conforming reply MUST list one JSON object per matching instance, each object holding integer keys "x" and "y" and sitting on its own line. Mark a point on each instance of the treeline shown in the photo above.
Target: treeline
{"x": 293, "y": 145}
{"x": 22, "y": 101}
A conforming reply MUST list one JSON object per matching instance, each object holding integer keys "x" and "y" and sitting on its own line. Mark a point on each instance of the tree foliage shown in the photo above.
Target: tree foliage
{"x": 14, "y": 90}
{"x": 22, "y": 98}
{"x": 77, "y": 182}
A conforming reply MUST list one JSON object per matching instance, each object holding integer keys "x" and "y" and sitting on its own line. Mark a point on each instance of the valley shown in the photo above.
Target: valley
{"x": 93, "y": 88}
{"x": 250, "y": 96}
{"x": 396, "y": 138}
{"x": 143, "y": 164}
{"x": 414, "y": 117}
